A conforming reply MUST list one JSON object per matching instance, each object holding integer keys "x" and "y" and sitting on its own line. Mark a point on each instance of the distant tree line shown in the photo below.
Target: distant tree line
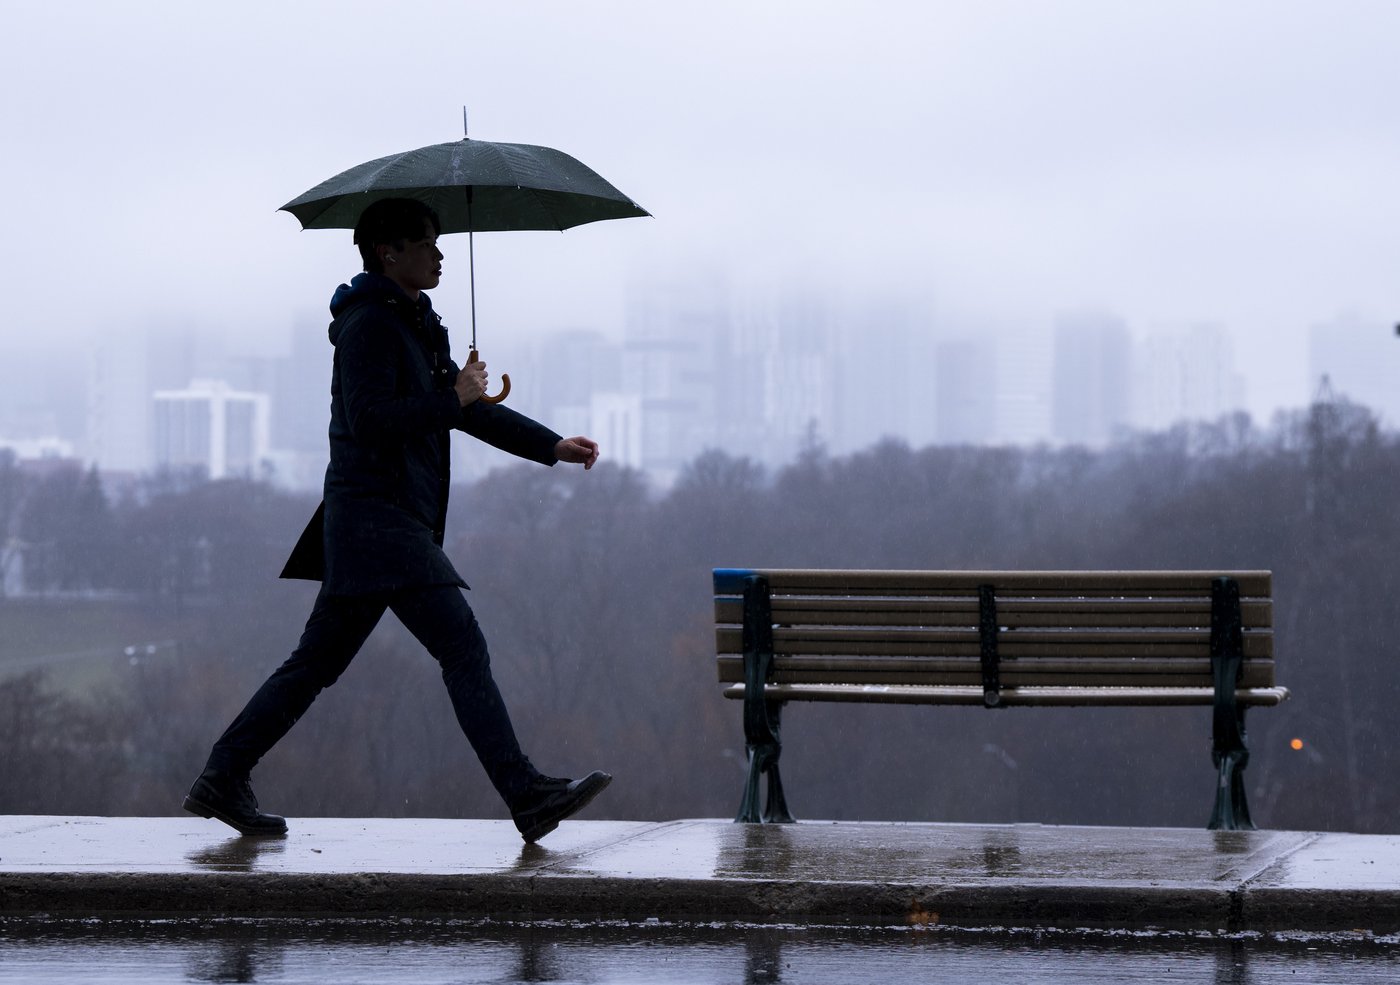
{"x": 594, "y": 592}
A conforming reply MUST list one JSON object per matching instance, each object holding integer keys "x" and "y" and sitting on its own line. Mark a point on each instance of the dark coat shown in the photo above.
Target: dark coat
{"x": 380, "y": 525}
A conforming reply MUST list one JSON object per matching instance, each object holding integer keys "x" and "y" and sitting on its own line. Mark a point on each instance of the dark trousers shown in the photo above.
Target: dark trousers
{"x": 440, "y": 618}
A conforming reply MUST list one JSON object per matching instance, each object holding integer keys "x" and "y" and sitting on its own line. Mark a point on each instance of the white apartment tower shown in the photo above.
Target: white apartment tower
{"x": 209, "y": 425}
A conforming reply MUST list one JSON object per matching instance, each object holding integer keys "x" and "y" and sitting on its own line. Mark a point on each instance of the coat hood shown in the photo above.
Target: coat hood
{"x": 364, "y": 288}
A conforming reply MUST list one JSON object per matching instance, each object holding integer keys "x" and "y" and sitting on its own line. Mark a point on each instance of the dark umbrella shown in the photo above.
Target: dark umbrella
{"x": 474, "y": 186}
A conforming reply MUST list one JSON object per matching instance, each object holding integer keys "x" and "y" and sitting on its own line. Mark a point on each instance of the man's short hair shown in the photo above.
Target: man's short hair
{"x": 393, "y": 221}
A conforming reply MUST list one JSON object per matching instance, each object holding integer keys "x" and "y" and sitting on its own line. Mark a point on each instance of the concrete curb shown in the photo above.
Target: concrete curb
{"x": 965, "y": 876}
{"x": 388, "y": 895}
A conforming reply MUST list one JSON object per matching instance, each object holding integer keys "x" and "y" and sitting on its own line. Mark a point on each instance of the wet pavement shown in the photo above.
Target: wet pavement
{"x": 919, "y": 876}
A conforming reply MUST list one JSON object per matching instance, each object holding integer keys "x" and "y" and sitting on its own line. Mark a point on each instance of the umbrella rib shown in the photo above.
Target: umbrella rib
{"x": 544, "y": 207}
{"x": 534, "y": 195}
{"x": 389, "y": 162}
{"x": 328, "y": 203}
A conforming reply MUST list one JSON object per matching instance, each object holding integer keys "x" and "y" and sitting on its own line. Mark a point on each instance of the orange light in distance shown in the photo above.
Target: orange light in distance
{"x": 1295, "y": 744}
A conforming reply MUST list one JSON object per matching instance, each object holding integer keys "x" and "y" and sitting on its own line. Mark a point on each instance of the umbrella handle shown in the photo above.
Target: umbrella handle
{"x": 474, "y": 356}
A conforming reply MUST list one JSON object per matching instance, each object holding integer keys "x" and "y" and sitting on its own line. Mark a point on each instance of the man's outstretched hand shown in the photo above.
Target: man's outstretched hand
{"x": 579, "y": 451}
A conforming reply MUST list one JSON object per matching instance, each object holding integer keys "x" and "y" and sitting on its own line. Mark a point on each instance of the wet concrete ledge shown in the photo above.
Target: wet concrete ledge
{"x": 813, "y": 872}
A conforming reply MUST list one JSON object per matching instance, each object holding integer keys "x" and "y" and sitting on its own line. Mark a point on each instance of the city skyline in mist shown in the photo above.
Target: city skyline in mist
{"x": 696, "y": 370}
{"x": 995, "y": 166}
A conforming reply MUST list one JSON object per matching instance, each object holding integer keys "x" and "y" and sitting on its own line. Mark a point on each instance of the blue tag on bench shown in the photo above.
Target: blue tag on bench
{"x": 730, "y": 581}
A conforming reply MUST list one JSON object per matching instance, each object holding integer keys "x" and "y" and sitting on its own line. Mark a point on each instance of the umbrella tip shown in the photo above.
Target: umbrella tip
{"x": 464, "y": 122}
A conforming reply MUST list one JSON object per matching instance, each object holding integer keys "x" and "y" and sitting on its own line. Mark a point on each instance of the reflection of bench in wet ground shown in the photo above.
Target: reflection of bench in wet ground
{"x": 787, "y": 852}
{"x": 768, "y": 956}
{"x": 1229, "y": 959}
{"x": 1028, "y": 875}
{"x": 848, "y": 851}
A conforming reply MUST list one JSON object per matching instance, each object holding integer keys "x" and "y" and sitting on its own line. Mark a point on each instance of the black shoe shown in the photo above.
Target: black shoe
{"x": 549, "y": 801}
{"x": 230, "y": 799}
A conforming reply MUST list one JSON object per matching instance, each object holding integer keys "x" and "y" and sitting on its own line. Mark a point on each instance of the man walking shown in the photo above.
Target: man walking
{"x": 376, "y": 542}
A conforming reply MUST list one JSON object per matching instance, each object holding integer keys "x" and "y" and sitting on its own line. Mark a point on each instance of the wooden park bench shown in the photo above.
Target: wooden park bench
{"x": 996, "y": 639}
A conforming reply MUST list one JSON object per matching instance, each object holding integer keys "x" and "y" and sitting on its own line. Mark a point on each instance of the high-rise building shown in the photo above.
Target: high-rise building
{"x": 214, "y": 427}
{"x": 1186, "y": 375}
{"x": 119, "y": 407}
{"x": 1024, "y": 361}
{"x": 777, "y": 388}
{"x": 578, "y": 376}
{"x": 669, "y": 360}
{"x": 883, "y": 357}
{"x": 1092, "y": 378}
{"x": 964, "y": 382}
{"x": 123, "y": 370}
{"x": 571, "y": 366}
{"x": 615, "y": 422}
{"x": 300, "y": 385}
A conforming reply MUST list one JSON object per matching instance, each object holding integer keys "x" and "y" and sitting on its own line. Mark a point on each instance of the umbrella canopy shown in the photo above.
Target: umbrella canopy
{"x": 474, "y": 186}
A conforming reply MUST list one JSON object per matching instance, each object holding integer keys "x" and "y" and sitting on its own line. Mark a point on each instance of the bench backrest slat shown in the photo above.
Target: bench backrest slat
{"x": 940, "y": 612}
{"x": 1043, "y": 583}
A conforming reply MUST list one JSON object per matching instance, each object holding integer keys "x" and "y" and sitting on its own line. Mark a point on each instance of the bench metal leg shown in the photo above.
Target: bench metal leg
{"x": 764, "y": 759}
{"x": 1231, "y": 757}
{"x": 749, "y": 807}
{"x": 762, "y": 718}
{"x": 765, "y": 747}
{"x": 777, "y": 811}
{"x": 1230, "y": 750}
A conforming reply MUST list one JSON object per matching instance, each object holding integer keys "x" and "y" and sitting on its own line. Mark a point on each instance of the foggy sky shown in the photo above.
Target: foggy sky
{"x": 990, "y": 162}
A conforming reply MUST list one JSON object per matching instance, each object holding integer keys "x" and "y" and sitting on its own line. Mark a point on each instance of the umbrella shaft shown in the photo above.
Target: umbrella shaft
{"x": 471, "y": 249}
{"x": 471, "y": 276}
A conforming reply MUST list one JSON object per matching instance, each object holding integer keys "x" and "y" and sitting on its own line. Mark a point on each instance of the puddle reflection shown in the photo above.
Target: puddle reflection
{"x": 1232, "y": 964}
{"x": 233, "y": 961}
{"x": 532, "y": 857}
{"x": 778, "y": 851}
{"x": 238, "y": 854}
{"x": 1001, "y": 854}
{"x": 1235, "y": 842}
{"x": 758, "y": 849}
{"x": 539, "y": 959}
{"x": 763, "y": 959}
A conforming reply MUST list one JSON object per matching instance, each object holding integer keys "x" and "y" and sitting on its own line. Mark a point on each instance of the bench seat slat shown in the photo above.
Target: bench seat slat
{"x": 1114, "y": 673}
{"x": 1099, "y": 613}
{"x": 834, "y": 641}
{"x": 1107, "y": 583}
{"x": 1044, "y": 696}
{"x": 1080, "y": 665}
{"x": 1022, "y": 678}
